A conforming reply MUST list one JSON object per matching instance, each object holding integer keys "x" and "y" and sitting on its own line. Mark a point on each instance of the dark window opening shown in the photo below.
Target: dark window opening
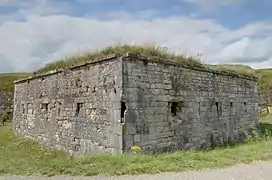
{"x": 78, "y": 108}
{"x": 231, "y": 108}
{"x": 114, "y": 90}
{"x": 245, "y": 107}
{"x": 174, "y": 107}
{"x": 123, "y": 109}
{"x": 145, "y": 62}
{"x": 44, "y": 107}
{"x": 217, "y": 108}
{"x": 93, "y": 90}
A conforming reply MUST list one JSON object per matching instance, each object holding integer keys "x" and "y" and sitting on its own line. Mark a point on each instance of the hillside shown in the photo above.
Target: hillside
{"x": 6, "y": 80}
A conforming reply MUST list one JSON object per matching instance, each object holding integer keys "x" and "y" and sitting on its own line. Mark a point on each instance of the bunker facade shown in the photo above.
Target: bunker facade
{"x": 118, "y": 101}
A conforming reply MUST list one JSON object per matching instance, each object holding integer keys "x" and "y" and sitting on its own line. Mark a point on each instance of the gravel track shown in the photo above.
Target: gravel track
{"x": 254, "y": 171}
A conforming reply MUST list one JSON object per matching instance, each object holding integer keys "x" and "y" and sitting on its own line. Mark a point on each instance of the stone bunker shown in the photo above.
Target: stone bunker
{"x": 118, "y": 101}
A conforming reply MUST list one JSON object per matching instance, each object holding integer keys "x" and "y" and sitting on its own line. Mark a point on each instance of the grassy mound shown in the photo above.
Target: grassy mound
{"x": 6, "y": 81}
{"x": 147, "y": 50}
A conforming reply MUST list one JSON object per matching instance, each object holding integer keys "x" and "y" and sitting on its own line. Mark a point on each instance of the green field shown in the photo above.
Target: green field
{"x": 21, "y": 156}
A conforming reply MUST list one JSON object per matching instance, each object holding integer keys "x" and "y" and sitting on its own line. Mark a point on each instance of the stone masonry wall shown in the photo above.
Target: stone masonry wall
{"x": 74, "y": 110}
{"x": 162, "y": 106}
{"x": 170, "y": 107}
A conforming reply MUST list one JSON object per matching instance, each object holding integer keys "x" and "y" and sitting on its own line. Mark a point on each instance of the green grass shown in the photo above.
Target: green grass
{"x": 147, "y": 50}
{"x": 6, "y": 80}
{"x": 240, "y": 69}
{"x": 21, "y": 156}
{"x": 266, "y": 118}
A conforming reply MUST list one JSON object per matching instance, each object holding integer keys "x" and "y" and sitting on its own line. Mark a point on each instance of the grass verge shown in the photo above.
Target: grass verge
{"x": 21, "y": 156}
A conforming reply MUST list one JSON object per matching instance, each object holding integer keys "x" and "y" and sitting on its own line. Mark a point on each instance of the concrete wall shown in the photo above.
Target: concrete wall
{"x": 75, "y": 110}
{"x": 211, "y": 108}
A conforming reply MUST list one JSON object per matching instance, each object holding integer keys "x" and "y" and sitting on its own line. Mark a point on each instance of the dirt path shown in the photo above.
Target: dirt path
{"x": 254, "y": 171}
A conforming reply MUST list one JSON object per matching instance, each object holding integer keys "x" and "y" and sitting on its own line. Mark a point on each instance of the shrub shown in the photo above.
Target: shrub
{"x": 5, "y": 116}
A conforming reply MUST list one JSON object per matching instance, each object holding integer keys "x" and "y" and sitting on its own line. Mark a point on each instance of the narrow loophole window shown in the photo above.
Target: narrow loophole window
{"x": 199, "y": 109}
{"x": 123, "y": 109}
{"x": 78, "y": 108}
{"x": 59, "y": 109}
{"x": 174, "y": 107}
{"x": 23, "y": 108}
{"x": 217, "y": 108}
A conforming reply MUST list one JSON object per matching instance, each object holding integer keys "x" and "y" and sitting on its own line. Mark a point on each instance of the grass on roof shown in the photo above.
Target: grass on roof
{"x": 147, "y": 50}
{"x": 240, "y": 69}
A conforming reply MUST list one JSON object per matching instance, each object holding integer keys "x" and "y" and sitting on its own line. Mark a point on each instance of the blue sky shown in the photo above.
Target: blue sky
{"x": 35, "y": 32}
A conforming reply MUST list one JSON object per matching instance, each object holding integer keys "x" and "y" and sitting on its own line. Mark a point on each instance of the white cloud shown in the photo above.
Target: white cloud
{"x": 40, "y": 39}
